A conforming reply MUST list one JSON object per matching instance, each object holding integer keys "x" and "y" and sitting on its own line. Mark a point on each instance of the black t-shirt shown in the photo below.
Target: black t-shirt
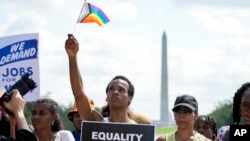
{"x": 5, "y": 127}
{"x": 21, "y": 135}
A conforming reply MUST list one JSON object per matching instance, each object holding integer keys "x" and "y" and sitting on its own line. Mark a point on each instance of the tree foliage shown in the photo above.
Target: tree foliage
{"x": 223, "y": 113}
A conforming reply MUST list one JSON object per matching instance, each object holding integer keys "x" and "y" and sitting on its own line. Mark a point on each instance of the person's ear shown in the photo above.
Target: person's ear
{"x": 55, "y": 116}
{"x": 196, "y": 114}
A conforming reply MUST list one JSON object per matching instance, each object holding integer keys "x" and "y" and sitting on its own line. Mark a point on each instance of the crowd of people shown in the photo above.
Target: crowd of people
{"x": 47, "y": 124}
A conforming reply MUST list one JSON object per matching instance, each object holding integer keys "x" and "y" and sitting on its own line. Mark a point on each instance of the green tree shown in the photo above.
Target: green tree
{"x": 64, "y": 116}
{"x": 223, "y": 113}
{"x": 27, "y": 112}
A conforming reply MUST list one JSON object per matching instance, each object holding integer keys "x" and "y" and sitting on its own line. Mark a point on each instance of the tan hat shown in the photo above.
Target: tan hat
{"x": 75, "y": 110}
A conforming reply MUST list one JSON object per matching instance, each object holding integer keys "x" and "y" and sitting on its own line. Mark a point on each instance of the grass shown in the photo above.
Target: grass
{"x": 164, "y": 130}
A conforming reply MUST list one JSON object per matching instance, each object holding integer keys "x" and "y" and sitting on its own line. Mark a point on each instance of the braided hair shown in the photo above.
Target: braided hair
{"x": 237, "y": 101}
{"x": 210, "y": 121}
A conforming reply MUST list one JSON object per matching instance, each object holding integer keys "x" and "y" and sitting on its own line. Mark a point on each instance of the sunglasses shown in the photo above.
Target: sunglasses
{"x": 185, "y": 110}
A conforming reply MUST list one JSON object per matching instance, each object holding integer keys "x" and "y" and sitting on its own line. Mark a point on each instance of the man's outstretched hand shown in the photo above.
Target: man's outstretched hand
{"x": 71, "y": 45}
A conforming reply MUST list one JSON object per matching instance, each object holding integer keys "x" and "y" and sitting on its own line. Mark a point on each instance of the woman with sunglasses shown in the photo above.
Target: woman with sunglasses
{"x": 185, "y": 113}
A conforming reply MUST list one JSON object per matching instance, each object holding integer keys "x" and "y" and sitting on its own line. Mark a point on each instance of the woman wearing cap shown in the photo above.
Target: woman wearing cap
{"x": 185, "y": 113}
{"x": 119, "y": 92}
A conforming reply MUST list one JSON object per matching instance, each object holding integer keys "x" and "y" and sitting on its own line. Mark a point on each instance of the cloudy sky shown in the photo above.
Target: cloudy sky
{"x": 208, "y": 47}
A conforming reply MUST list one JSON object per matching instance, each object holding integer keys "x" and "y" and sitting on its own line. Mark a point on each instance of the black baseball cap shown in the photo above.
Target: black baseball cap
{"x": 187, "y": 101}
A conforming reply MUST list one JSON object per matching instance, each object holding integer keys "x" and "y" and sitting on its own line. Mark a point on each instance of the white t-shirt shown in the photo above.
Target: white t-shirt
{"x": 64, "y": 135}
{"x": 106, "y": 119}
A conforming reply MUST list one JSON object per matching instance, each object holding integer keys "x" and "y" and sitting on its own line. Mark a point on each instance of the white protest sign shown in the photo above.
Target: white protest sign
{"x": 18, "y": 56}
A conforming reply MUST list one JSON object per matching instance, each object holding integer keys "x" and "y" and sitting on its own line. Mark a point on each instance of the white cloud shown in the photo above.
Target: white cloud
{"x": 122, "y": 10}
{"x": 207, "y": 48}
{"x": 220, "y": 3}
{"x": 222, "y": 20}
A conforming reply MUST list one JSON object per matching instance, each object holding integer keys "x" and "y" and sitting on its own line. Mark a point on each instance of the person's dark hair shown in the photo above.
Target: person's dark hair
{"x": 210, "y": 121}
{"x": 53, "y": 108}
{"x": 131, "y": 88}
{"x": 105, "y": 111}
{"x": 237, "y": 101}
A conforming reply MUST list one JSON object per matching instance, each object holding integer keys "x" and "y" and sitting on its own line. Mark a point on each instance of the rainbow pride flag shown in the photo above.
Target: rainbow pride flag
{"x": 92, "y": 14}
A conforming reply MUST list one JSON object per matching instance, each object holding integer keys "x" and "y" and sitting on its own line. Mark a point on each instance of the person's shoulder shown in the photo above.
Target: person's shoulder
{"x": 141, "y": 118}
{"x": 97, "y": 116}
{"x": 200, "y": 137}
{"x": 64, "y": 133}
{"x": 226, "y": 136}
{"x": 171, "y": 133}
{"x": 25, "y": 135}
{"x": 161, "y": 138}
{"x": 170, "y": 136}
{"x": 73, "y": 131}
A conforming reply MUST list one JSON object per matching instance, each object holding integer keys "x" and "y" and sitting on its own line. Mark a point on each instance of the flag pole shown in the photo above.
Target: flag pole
{"x": 79, "y": 17}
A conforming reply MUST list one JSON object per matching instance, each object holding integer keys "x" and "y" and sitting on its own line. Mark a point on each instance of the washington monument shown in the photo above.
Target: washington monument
{"x": 164, "y": 118}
